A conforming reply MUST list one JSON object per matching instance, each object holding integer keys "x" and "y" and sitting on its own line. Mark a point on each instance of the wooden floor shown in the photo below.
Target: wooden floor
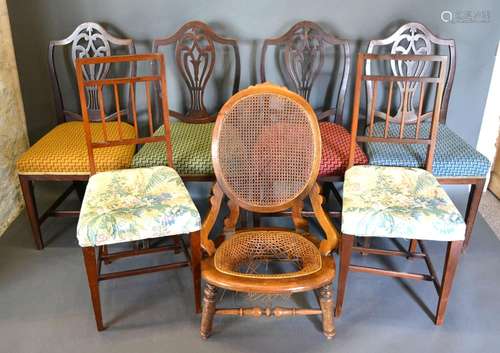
{"x": 45, "y": 306}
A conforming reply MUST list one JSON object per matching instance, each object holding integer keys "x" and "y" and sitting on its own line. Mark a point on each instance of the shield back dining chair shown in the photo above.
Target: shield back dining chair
{"x": 455, "y": 161}
{"x": 61, "y": 154}
{"x": 266, "y": 152}
{"x": 399, "y": 201}
{"x": 315, "y": 63}
{"x": 196, "y": 47}
{"x": 132, "y": 205}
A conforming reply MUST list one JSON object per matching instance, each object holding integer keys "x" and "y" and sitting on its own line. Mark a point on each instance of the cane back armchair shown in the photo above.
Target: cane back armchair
{"x": 137, "y": 205}
{"x": 266, "y": 152}
{"x": 196, "y": 47}
{"x": 455, "y": 161}
{"x": 61, "y": 155}
{"x": 400, "y": 201}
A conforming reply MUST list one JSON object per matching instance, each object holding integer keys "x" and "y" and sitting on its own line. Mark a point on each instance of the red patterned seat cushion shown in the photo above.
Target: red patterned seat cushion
{"x": 335, "y": 141}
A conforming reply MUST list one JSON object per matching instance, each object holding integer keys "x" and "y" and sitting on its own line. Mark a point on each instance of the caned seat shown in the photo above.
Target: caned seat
{"x": 453, "y": 156}
{"x": 191, "y": 145}
{"x": 392, "y": 202}
{"x": 135, "y": 204}
{"x": 336, "y": 141}
{"x": 243, "y": 254}
{"x": 63, "y": 150}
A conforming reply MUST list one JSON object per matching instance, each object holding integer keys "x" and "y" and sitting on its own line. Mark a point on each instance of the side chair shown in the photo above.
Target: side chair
{"x": 266, "y": 151}
{"x": 132, "y": 205}
{"x": 195, "y": 46}
{"x": 455, "y": 161}
{"x": 398, "y": 201}
{"x": 61, "y": 155}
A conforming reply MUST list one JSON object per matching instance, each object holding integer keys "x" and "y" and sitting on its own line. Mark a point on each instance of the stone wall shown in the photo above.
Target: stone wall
{"x": 13, "y": 138}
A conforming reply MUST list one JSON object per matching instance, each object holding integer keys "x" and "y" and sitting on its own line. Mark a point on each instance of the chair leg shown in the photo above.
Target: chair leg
{"x": 476, "y": 191}
{"x": 196, "y": 269}
{"x": 452, "y": 256}
{"x": 326, "y": 304}
{"x": 208, "y": 313}
{"x": 31, "y": 210}
{"x": 92, "y": 276}
{"x": 412, "y": 248}
{"x": 345, "y": 260}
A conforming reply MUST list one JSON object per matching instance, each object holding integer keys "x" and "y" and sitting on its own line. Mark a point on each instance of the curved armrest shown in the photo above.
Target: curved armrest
{"x": 332, "y": 234}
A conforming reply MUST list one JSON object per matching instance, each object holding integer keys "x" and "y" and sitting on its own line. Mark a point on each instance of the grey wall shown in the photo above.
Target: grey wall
{"x": 35, "y": 22}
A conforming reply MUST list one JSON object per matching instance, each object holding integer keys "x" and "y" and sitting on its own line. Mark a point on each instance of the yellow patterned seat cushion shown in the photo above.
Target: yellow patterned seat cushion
{"x": 63, "y": 150}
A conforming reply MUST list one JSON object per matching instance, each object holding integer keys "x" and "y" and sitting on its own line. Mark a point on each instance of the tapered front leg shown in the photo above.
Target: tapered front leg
{"x": 345, "y": 261}
{"x": 92, "y": 276}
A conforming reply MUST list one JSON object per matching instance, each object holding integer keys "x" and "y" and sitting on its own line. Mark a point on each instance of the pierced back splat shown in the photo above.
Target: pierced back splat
{"x": 88, "y": 40}
{"x": 412, "y": 39}
{"x": 195, "y": 53}
{"x": 304, "y": 49}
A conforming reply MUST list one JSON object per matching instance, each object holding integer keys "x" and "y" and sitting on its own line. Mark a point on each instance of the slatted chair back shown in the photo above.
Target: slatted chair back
{"x": 88, "y": 40}
{"x": 302, "y": 51}
{"x": 112, "y": 86}
{"x": 266, "y": 148}
{"x": 431, "y": 85}
{"x": 195, "y": 45}
{"x": 413, "y": 39}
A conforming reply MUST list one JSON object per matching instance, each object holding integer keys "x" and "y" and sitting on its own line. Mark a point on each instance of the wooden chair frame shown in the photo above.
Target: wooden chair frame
{"x": 196, "y": 80}
{"x": 94, "y": 36}
{"x": 413, "y": 32}
{"x": 216, "y": 279}
{"x": 443, "y": 288}
{"x": 93, "y": 266}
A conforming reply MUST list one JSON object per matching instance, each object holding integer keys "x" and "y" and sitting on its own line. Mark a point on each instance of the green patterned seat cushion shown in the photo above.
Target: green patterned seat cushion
{"x": 453, "y": 156}
{"x": 191, "y": 144}
{"x": 396, "y": 202}
{"x": 134, "y": 204}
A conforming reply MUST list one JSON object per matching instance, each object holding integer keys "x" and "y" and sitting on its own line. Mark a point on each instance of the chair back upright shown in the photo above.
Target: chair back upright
{"x": 88, "y": 40}
{"x": 195, "y": 45}
{"x": 413, "y": 39}
{"x": 110, "y": 88}
{"x": 303, "y": 53}
{"x": 384, "y": 97}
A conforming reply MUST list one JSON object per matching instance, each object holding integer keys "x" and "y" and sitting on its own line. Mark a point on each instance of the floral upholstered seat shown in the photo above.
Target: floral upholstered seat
{"x": 398, "y": 202}
{"x": 191, "y": 149}
{"x": 134, "y": 204}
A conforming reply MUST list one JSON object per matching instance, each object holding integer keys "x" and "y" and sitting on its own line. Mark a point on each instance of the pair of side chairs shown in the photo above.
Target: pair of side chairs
{"x": 266, "y": 152}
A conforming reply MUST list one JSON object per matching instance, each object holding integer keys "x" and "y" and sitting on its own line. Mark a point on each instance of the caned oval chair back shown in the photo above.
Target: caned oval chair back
{"x": 266, "y": 148}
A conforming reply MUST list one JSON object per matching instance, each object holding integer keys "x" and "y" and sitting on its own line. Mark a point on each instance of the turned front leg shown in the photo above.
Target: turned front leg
{"x": 326, "y": 303}
{"x": 207, "y": 315}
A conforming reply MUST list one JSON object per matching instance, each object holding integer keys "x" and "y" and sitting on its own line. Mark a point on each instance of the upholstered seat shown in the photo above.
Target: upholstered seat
{"x": 335, "y": 142}
{"x": 191, "y": 149}
{"x": 398, "y": 202}
{"x": 134, "y": 204}
{"x": 453, "y": 156}
{"x": 64, "y": 151}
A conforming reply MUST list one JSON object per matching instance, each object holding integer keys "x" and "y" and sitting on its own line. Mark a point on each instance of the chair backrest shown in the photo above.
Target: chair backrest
{"x": 195, "y": 53}
{"x": 414, "y": 39}
{"x": 266, "y": 148}
{"x": 88, "y": 40}
{"x": 301, "y": 51}
{"x": 112, "y": 85}
{"x": 430, "y": 85}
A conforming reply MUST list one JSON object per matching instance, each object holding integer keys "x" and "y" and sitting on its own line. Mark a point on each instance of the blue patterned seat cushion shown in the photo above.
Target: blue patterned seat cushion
{"x": 453, "y": 156}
